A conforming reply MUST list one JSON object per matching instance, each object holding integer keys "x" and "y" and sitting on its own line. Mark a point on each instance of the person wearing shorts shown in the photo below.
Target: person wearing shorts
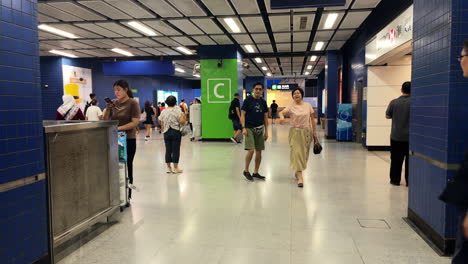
{"x": 235, "y": 115}
{"x": 254, "y": 121}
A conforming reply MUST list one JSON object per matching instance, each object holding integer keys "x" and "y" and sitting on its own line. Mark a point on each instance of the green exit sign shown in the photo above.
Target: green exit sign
{"x": 274, "y": 87}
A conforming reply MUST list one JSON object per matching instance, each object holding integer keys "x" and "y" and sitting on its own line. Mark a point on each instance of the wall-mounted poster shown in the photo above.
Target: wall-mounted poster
{"x": 78, "y": 83}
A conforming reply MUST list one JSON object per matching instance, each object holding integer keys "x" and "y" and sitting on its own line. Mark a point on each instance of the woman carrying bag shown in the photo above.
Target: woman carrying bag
{"x": 303, "y": 130}
{"x": 173, "y": 123}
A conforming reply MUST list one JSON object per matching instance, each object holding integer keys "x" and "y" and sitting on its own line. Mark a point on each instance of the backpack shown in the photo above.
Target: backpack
{"x": 232, "y": 112}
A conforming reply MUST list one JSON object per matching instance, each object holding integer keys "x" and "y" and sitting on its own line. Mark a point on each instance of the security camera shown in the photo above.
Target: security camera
{"x": 245, "y": 65}
{"x": 196, "y": 69}
{"x": 220, "y": 63}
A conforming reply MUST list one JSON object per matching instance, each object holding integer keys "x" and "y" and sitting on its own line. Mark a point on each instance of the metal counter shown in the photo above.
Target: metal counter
{"x": 82, "y": 173}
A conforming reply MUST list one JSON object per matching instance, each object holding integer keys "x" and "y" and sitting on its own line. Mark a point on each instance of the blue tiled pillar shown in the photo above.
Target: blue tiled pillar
{"x": 320, "y": 87}
{"x": 23, "y": 215}
{"x": 439, "y": 110}
{"x": 331, "y": 85}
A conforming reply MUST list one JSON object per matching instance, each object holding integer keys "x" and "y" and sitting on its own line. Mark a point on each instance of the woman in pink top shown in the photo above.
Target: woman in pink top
{"x": 303, "y": 130}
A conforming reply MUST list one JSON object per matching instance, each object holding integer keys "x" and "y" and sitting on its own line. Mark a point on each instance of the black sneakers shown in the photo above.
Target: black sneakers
{"x": 258, "y": 176}
{"x": 248, "y": 176}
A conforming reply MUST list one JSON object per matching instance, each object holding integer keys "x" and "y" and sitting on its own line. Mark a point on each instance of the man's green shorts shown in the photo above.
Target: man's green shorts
{"x": 254, "y": 141}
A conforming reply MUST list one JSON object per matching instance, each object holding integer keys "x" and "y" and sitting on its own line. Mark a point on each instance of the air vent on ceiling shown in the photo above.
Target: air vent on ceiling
{"x": 303, "y": 23}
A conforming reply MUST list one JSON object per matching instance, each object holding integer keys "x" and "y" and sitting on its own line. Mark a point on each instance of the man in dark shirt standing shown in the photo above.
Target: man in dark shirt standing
{"x": 92, "y": 96}
{"x": 399, "y": 111}
{"x": 235, "y": 116}
{"x": 254, "y": 120}
{"x": 274, "y": 111}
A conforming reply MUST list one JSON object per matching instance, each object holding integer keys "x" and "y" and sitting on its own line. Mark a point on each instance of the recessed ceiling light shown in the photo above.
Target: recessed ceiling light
{"x": 306, "y": 73}
{"x": 232, "y": 24}
{"x": 57, "y": 31}
{"x": 249, "y": 48}
{"x": 197, "y": 75}
{"x": 319, "y": 45}
{"x": 268, "y": 74}
{"x": 142, "y": 28}
{"x": 313, "y": 58}
{"x": 264, "y": 68}
{"x": 184, "y": 50}
{"x": 179, "y": 70}
{"x": 123, "y": 52}
{"x": 331, "y": 18}
{"x": 66, "y": 54}
{"x": 309, "y": 67}
{"x": 258, "y": 60}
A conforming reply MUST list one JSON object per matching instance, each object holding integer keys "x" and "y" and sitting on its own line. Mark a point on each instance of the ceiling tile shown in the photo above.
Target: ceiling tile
{"x": 138, "y": 52}
{"x": 246, "y": 7}
{"x": 283, "y": 47}
{"x": 301, "y": 36}
{"x": 77, "y": 10}
{"x": 343, "y": 34}
{"x": 354, "y": 19}
{"x": 45, "y": 35}
{"x": 101, "y": 53}
{"x": 161, "y": 8}
{"x": 56, "y": 13}
{"x": 280, "y": 23}
{"x": 323, "y": 35}
{"x": 113, "y": 43}
{"x": 153, "y": 51}
{"x": 261, "y": 38}
{"x": 46, "y": 46}
{"x": 242, "y": 38}
{"x": 131, "y": 43}
{"x": 98, "y": 30}
{"x": 45, "y": 19}
{"x": 219, "y": 7}
{"x": 97, "y": 43}
{"x": 148, "y": 42}
{"x": 221, "y": 39}
{"x": 130, "y": 8}
{"x": 298, "y": 59}
{"x": 162, "y": 27}
{"x": 204, "y": 40}
{"x": 207, "y": 25}
{"x": 300, "y": 46}
{"x": 366, "y": 3}
{"x": 282, "y": 37}
{"x": 118, "y": 28}
{"x": 308, "y": 20}
{"x": 167, "y": 41}
{"x": 254, "y": 24}
{"x": 184, "y": 41}
{"x": 188, "y": 8}
{"x": 105, "y": 9}
{"x": 186, "y": 26}
{"x": 335, "y": 45}
{"x": 265, "y": 48}
{"x": 169, "y": 51}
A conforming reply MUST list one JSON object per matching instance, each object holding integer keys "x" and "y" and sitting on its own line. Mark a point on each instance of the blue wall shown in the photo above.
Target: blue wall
{"x": 23, "y": 215}
{"x": 331, "y": 85}
{"x": 438, "y": 107}
{"x": 51, "y": 71}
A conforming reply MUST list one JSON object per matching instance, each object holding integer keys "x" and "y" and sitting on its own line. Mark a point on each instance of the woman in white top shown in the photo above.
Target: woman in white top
{"x": 171, "y": 120}
{"x": 303, "y": 130}
{"x": 94, "y": 113}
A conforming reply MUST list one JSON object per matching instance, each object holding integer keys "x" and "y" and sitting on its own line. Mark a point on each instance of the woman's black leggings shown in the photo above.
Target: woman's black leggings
{"x": 131, "y": 150}
{"x": 172, "y": 139}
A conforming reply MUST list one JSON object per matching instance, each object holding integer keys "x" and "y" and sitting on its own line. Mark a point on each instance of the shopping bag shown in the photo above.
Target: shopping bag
{"x": 122, "y": 142}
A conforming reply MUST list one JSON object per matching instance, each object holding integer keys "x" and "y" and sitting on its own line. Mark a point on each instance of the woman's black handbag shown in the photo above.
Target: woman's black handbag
{"x": 317, "y": 148}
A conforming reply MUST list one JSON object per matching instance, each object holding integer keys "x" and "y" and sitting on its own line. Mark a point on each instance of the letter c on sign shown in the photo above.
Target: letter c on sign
{"x": 216, "y": 90}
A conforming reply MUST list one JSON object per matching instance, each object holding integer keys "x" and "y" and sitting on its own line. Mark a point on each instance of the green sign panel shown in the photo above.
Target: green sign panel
{"x": 219, "y": 84}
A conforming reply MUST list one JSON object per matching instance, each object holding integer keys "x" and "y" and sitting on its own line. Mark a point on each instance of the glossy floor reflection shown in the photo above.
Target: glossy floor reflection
{"x": 211, "y": 214}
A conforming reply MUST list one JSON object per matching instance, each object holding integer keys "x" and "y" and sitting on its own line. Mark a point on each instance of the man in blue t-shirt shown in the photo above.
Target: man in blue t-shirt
{"x": 254, "y": 121}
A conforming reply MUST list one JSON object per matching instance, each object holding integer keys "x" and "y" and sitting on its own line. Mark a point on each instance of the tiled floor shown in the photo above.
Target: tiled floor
{"x": 210, "y": 214}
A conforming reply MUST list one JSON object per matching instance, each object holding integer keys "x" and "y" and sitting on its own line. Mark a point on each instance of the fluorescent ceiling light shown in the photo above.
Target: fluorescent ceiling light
{"x": 258, "y": 60}
{"x": 309, "y": 67}
{"x": 142, "y": 28}
{"x": 66, "y": 54}
{"x": 57, "y": 31}
{"x": 264, "y": 68}
{"x": 306, "y": 73}
{"x": 123, "y": 52}
{"x": 184, "y": 50}
{"x": 197, "y": 75}
{"x": 319, "y": 45}
{"x": 179, "y": 70}
{"x": 232, "y": 24}
{"x": 249, "y": 48}
{"x": 268, "y": 74}
{"x": 313, "y": 58}
{"x": 331, "y": 18}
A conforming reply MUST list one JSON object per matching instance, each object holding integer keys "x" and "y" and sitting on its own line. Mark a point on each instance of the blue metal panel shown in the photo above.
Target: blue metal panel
{"x": 125, "y": 68}
{"x": 210, "y": 52}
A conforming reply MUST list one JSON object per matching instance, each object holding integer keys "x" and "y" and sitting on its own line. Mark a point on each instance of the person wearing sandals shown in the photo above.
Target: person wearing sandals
{"x": 303, "y": 130}
{"x": 254, "y": 121}
{"x": 171, "y": 121}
